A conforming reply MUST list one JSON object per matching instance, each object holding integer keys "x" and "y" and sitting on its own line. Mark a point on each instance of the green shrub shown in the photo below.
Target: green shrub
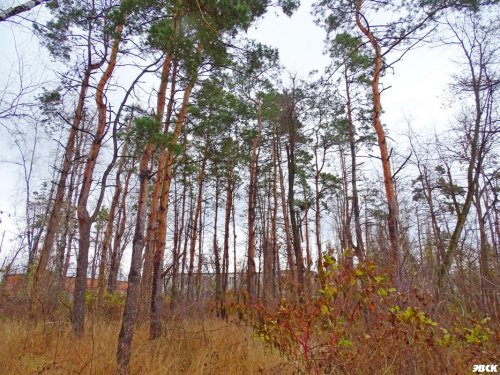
{"x": 360, "y": 324}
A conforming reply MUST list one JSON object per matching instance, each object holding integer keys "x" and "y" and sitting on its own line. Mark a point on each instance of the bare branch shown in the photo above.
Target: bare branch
{"x": 18, "y": 9}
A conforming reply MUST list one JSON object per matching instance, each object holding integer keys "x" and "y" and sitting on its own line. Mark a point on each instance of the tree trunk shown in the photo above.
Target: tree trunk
{"x": 359, "y": 248}
{"x": 157, "y": 290}
{"x": 179, "y": 233}
{"x": 186, "y": 241}
{"x": 393, "y": 209}
{"x": 289, "y": 122}
{"x": 290, "y": 277}
{"x": 268, "y": 292}
{"x": 274, "y": 218}
{"x": 152, "y": 229}
{"x": 55, "y": 214}
{"x": 252, "y": 191}
{"x": 114, "y": 264}
{"x": 198, "y": 280}
{"x": 134, "y": 277}
{"x": 346, "y": 239}
{"x": 218, "y": 279}
{"x": 227, "y": 222}
{"x": 96, "y": 256}
{"x": 306, "y": 230}
{"x": 194, "y": 231}
{"x": 84, "y": 218}
{"x": 18, "y": 9}
{"x": 71, "y": 199}
{"x": 235, "y": 269}
{"x": 297, "y": 248}
{"x": 317, "y": 201}
{"x": 106, "y": 244}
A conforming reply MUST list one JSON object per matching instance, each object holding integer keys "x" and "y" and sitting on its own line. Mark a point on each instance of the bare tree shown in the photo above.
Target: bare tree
{"x": 478, "y": 128}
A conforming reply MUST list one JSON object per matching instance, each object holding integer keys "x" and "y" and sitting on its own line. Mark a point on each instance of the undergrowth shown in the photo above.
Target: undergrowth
{"x": 351, "y": 322}
{"x": 359, "y": 324}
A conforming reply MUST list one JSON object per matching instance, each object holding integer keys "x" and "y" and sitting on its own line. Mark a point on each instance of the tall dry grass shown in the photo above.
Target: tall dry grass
{"x": 188, "y": 347}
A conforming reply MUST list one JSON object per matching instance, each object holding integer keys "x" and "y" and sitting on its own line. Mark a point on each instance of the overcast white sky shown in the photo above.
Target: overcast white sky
{"x": 418, "y": 86}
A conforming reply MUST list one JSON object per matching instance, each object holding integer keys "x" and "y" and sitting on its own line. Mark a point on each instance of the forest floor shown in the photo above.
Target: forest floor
{"x": 209, "y": 346}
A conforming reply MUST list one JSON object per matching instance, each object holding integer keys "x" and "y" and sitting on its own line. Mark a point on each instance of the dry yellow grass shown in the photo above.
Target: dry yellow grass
{"x": 189, "y": 347}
